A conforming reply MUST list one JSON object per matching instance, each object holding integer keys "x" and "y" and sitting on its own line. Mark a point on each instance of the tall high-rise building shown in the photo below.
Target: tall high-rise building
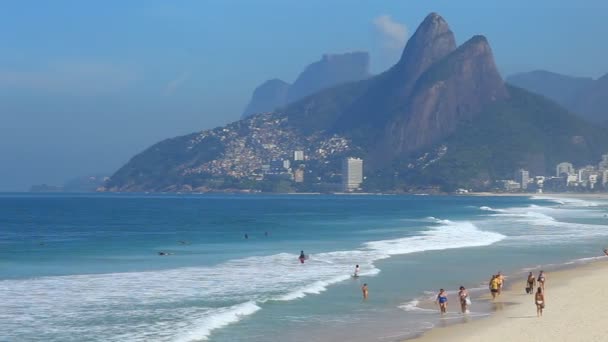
{"x": 522, "y": 177}
{"x": 564, "y": 168}
{"x": 298, "y": 155}
{"x": 352, "y": 174}
{"x": 604, "y": 163}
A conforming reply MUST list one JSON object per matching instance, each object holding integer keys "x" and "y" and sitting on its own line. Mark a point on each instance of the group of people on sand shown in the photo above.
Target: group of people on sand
{"x": 496, "y": 284}
{"x": 539, "y": 296}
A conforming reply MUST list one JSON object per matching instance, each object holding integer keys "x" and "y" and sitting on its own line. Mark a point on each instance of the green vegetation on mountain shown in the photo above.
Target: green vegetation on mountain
{"x": 526, "y": 131}
{"x": 320, "y": 112}
{"x": 160, "y": 165}
{"x": 441, "y": 118}
{"x": 582, "y": 95}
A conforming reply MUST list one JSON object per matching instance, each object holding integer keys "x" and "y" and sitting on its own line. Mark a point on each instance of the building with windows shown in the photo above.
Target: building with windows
{"x": 604, "y": 163}
{"x": 352, "y": 174}
{"x": 523, "y": 178}
{"x": 585, "y": 172}
{"x": 298, "y": 155}
{"x": 564, "y": 168}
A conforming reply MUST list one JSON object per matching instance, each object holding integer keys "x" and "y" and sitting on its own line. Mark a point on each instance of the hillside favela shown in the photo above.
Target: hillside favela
{"x": 303, "y": 171}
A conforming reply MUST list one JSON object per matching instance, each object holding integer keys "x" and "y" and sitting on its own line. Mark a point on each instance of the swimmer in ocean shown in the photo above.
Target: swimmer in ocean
{"x": 356, "y": 271}
{"x": 302, "y": 257}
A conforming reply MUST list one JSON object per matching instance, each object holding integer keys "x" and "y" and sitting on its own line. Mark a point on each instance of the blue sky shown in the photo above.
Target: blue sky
{"x": 85, "y": 85}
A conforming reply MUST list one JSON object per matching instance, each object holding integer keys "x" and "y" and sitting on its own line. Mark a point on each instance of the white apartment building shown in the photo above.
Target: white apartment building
{"x": 352, "y": 174}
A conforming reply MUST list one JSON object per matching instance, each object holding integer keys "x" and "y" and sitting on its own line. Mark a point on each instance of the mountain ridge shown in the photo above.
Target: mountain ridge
{"x": 331, "y": 70}
{"x": 449, "y": 121}
{"x": 584, "y": 96}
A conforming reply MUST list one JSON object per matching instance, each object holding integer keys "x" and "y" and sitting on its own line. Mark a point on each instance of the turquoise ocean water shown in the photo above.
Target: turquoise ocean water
{"x": 87, "y": 268}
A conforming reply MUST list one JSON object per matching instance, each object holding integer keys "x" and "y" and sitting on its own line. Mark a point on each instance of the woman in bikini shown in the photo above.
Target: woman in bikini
{"x": 463, "y": 295}
{"x": 539, "y": 300}
{"x": 541, "y": 279}
{"x": 442, "y": 300}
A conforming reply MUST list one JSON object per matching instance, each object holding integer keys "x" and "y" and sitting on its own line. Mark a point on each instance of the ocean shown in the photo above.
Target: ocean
{"x": 80, "y": 267}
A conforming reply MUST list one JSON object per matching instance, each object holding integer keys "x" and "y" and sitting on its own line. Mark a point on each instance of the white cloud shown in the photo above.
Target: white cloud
{"x": 177, "y": 82}
{"x": 76, "y": 77}
{"x": 393, "y": 35}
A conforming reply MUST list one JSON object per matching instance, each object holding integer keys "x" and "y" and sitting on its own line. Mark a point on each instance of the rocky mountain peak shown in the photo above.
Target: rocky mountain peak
{"x": 432, "y": 41}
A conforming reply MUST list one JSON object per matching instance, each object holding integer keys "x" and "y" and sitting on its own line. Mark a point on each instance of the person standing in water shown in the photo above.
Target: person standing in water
{"x": 501, "y": 282}
{"x": 465, "y": 301}
{"x": 531, "y": 283}
{"x": 539, "y": 300}
{"x": 302, "y": 257}
{"x": 494, "y": 286}
{"x": 442, "y": 300}
{"x": 356, "y": 271}
{"x": 541, "y": 280}
{"x": 365, "y": 291}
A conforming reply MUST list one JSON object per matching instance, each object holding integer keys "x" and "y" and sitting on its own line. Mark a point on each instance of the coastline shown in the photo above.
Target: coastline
{"x": 575, "y": 311}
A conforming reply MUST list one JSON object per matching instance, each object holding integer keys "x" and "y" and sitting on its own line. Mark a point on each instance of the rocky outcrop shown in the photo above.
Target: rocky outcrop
{"x": 269, "y": 96}
{"x": 388, "y": 93}
{"x": 450, "y": 92}
{"x": 331, "y": 70}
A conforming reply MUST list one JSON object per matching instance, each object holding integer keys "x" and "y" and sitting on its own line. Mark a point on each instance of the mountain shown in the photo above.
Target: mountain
{"x": 441, "y": 117}
{"x": 592, "y": 103}
{"x": 331, "y": 70}
{"x": 582, "y": 95}
{"x": 267, "y": 97}
{"x": 417, "y": 102}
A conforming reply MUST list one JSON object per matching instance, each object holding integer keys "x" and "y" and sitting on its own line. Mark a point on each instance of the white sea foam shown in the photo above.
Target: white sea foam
{"x": 190, "y": 303}
{"x": 412, "y": 306}
{"x": 222, "y": 317}
{"x": 486, "y": 208}
{"x": 568, "y": 201}
{"x": 544, "y": 225}
{"x": 447, "y": 235}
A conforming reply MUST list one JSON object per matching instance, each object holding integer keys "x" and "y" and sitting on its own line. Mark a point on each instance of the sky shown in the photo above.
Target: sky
{"x": 84, "y": 86}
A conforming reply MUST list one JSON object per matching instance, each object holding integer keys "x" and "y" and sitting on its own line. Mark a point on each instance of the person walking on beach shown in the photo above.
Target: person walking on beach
{"x": 531, "y": 283}
{"x": 494, "y": 286}
{"x": 539, "y": 300}
{"x": 465, "y": 301}
{"x": 442, "y": 300}
{"x": 356, "y": 271}
{"x": 541, "y": 280}
{"x": 365, "y": 291}
{"x": 501, "y": 282}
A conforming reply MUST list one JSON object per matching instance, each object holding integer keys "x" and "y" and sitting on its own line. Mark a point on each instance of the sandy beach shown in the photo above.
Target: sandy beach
{"x": 575, "y": 310}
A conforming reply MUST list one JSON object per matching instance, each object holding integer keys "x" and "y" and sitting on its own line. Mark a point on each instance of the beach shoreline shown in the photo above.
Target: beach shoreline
{"x": 575, "y": 310}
